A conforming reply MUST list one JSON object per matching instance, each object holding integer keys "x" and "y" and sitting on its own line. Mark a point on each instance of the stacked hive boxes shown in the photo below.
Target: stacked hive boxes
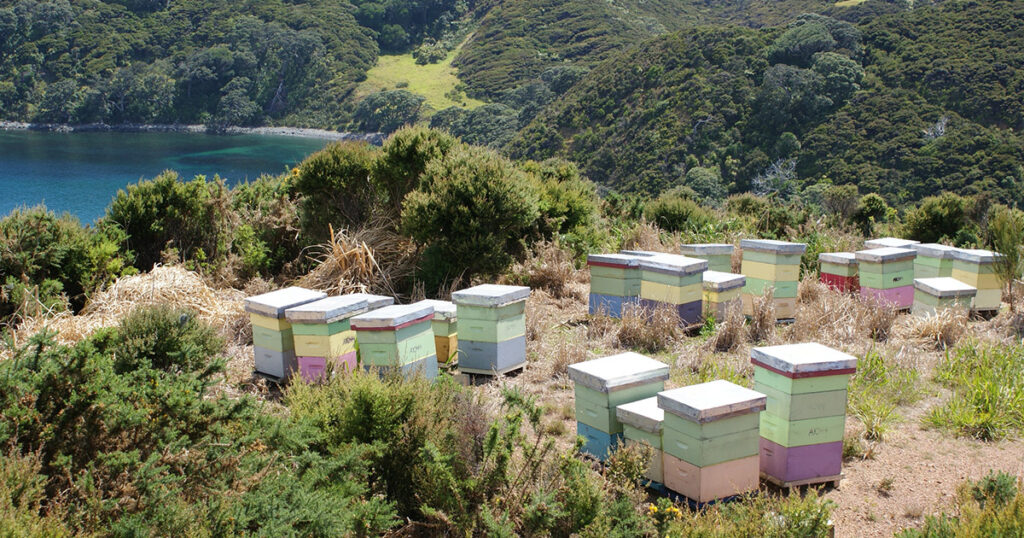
{"x": 445, "y": 326}
{"x": 602, "y": 385}
{"x": 887, "y": 275}
{"x": 890, "y": 242}
{"x": 397, "y": 338}
{"x": 323, "y": 334}
{"x": 272, "y": 339}
{"x": 933, "y": 260}
{"x": 802, "y": 427}
{"x": 492, "y": 328}
{"x": 977, "y": 268}
{"x": 722, "y": 292}
{"x": 642, "y": 422}
{"x": 710, "y": 440}
{"x": 839, "y": 271}
{"x": 718, "y": 255}
{"x": 673, "y": 280}
{"x": 934, "y": 294}
{"x": 771, "y": 264}
{"x": 614, "y": 281}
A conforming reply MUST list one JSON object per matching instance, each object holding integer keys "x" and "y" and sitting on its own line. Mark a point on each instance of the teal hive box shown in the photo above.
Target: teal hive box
{"x": 492, "y": 328}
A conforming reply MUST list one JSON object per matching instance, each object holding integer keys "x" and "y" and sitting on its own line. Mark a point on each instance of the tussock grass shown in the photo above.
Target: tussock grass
{"x": 943, "y": 329}
{"x": 762, "y": 323}
{"x": 987, "y": 382}
{"x": 730, "y": 333}
{"x": 647, "y": 329}
{"x": 646, "y": 236}
{"x": 549, "y": 267}
{"x": 370, "y": 259}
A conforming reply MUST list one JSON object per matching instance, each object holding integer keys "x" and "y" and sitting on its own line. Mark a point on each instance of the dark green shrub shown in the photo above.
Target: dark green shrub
{"x": 404, "y": 158}
{"x": 388, "y": 111}
{"x": 473, "y": 212}
{"x": 997, "y": 488}
{"x": 193, "y": 218}
{"x": 675, "y": 213}
{"x": 780, "y": 221}
{"x": 938, "y": 218}
{"x": 334, "y": 189}
{"x": 165, "y": 338}
{"x": 870, "y": 210}
{"x": 265, "y": 239}
{"x": 568, "y": 204}
{"x": 746, "y": 205}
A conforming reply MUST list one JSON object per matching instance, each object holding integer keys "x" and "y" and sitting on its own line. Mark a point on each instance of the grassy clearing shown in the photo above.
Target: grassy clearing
{"x": 988, "y": 391}
{"x": 849, "y": 3}
{"x": 436, "y": 82}
{"x": 878, "y": 388}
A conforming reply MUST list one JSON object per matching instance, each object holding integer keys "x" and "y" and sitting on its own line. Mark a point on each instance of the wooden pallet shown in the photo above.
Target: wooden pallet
{"x": 828, "y": 480}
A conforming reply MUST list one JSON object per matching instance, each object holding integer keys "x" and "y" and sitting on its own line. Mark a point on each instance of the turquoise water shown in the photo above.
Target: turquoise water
{"x": 81, "y": 172}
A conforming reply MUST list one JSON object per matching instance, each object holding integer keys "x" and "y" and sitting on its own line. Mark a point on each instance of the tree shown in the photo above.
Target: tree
{"x": 404, "y": 159}
{"x": 842, "y": 76}
{"x": 707, "y": 183}
{"x": 335, "y": 189}
{"x": 235, "y": 107}
{"x": 871, "y": 209}
{"x": 387, "y": 111}
{"x": 1006, "y": 233}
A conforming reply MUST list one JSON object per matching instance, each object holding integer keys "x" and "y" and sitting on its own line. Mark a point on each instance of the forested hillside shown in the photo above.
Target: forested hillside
{"x": 904, "y": 105}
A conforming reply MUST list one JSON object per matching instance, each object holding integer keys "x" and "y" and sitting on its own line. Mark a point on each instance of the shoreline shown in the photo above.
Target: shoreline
{"x": 323, "y": 134}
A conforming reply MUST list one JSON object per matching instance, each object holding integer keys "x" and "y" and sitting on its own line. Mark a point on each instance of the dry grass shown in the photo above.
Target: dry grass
{"x": 831, "y": 317}
{"x": 762, "y": 323}
{"x": 943, "y": 329}
{"x": 163, "y": 285}
{"x": 371, "y": 259}
{"x": 730, "y": 332}
{"x": 571, "y": 347}
{"x": 877, "y": 318}
{"x": 646, "y": 236}
{"x": 549, "y": 267}
{"x": 649, "y": 329}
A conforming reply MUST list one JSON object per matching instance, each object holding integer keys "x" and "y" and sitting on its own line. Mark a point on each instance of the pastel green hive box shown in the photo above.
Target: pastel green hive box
{"x": 718, "y": 255}
{"x": 933, "y": 294}
{"x": 711, "y": 423}
{"x": 933, "y": 260}
{"x": 605, "y": 383}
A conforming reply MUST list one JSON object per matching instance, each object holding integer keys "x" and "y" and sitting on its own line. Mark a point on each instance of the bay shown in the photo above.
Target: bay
{"x": 81, "y": 172}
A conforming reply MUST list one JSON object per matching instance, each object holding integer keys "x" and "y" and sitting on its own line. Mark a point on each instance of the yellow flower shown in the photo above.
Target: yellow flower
{"x": 652, "y": 509}
{"x": 295, "y": 171}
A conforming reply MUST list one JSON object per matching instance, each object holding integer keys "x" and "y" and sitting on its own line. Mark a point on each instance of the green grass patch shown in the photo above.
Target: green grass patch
{"x": 438, "y": 82}
{"x": 988, "y": 392}
{"x": 849, "y": 3}
{"x": 877, "y": 389}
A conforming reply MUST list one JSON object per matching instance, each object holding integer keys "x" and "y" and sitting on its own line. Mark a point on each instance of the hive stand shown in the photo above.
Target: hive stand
{"x": 718, "y": 255}
{"x": 323, "y": 335}
{"x": 492, "y": 329}
{"x": 272, "y": 338}
{"x": 710, "y": 440}
{"x": 771, "y": 264}
{"x": 802, "y": 426}
{"x": 839, "y": 271}
{"x": 601, "y": 385}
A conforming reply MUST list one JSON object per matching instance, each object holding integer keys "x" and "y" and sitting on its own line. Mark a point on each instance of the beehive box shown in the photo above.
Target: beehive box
{"x": 933, "y": 260}
{"x": 674, "y": 280}
{"x": 718, "y": 255}
{"x": 601, "y": 385}
{"x": 272, "y": 338}
{"x": 935, "y": 294}
{"x": 397, "y": 338}
{"x": 721, "y": 292}
{"x": 887, "y": 275}
{"x": 977, "y": 268}
{"x": 445, "y": 326}
{"x": 839, "y": 271}
{"x": 614, "y": 282}
{"x": 323, "y": 334}
{"x": 889, "y": 242}
{"x": 802, "y": 425}
{"x": 771, "y": 264}
{"x": 710, "y": 440}
{"x": 642, "y": 422}
{"x": 492, "y": 328}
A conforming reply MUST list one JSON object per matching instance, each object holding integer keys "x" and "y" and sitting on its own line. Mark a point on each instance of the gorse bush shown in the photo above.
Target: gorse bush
{"x": 943, "y": 217}
{"x": 334, "y": 188}
{"x": 676, "y": 213}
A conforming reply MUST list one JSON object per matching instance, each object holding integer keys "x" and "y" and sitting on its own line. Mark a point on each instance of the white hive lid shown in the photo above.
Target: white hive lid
{"x": 443, "y": 310}
{"x": 893, "y": 242}
{"x": 720, "y": 281}
{"x": 617, "y": 372}
{"x": 618, "y": 260}
{"x": 974, "y": 255}
{"x": 391, "y": 316}
{"x": 934, "y": 250}
{"x": 885, "y": 255}
{"x": 642, "y": 414}
{"x": 374, "y": 302}
{"x": 673, "y": 264}
{"x": 803, "y": 358}
{"x": 944, "y": 287}
{"x": 490, "y": 295}
{"x": 327, "y": 310}
{"x": 838, "y": 258}
{"x": 274, "y": 304}
{"x": 711, "y": 401}
{"x": 706, "y": 249}
{"x": 773, "y": 246}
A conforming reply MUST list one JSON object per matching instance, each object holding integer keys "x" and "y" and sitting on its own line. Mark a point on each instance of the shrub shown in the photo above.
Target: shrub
{"x": 388, "y": 111}
{"x": 568, "y": 205}
{"x": 472, "y": 213}
{"x": 675, "y": 213}
{"x": 165, "y": 338}
{"x": 265, "y": 240}
{"x": 1006, "y": 234}
{"x": 334, "y": 189}
{"x": 992, "y": 506}
{"x": 871, "y": 209}
{"x": 404, "y": 159}
{"x": 938, "y": 218}
{"x": 193, "y": 218}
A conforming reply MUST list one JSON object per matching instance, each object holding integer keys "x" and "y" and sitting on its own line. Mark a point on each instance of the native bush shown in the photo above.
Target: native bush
{"x": 404, "y": 158}
{"x": 473, "y": 213}
{"x": 193, "y": 218}
{"x": 388, "y": 111}
{"x": 568, "y": 205}
{"x": 676, "y": 213}
{"x": 268, "y": 216}
{"x": 1006, "y": 235}
{"x": 334, "y": 188}
{"x": 870, "y": 209}
{"x": 941, "y": 218}
{"x": 991, "y": 506}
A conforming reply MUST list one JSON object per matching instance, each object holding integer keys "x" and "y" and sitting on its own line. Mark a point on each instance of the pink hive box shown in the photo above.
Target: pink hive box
{"x": 313, "y": 369}
{"x": 902, "y": 297}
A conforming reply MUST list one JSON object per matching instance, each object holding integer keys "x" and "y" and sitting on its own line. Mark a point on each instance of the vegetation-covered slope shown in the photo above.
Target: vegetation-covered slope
{"x": 882, "y": 105}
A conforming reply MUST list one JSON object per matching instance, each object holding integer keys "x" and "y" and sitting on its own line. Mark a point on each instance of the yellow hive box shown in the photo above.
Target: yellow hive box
{"x": 445, "y": 347}
{"x": 784, "y": 308}
{"x": 656, "y": 291}
{"x": 335, "y": 345}
{"x": 980, "y": 281}
{"x": 767, "y": 271}
{"x": 268, "y": 322}
{"x": 722, "y": 296}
